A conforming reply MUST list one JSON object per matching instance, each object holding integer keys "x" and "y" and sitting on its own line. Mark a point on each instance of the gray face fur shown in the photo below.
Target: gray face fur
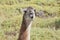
{"x": 29, "y": 13}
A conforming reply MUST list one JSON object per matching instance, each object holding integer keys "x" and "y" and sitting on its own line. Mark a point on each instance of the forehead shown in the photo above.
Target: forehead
{"x": 30, "y": 9}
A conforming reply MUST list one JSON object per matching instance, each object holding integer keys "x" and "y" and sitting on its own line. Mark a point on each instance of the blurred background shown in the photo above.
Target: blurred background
{"x": 46, "y": 25}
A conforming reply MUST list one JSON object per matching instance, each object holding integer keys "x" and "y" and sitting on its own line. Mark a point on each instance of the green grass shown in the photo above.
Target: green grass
{"x": 11, "y": 18}
{"x": 37, "y": 33}
{"x": 44, "y": 34}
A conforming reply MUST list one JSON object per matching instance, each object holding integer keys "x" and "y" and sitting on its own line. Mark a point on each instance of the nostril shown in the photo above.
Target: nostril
{"x": 31, "y": 16}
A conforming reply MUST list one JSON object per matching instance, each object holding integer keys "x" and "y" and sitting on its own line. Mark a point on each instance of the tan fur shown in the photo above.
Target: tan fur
{"x": 26, "y": 25}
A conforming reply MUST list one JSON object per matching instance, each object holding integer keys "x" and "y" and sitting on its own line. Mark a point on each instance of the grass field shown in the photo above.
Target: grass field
{"x": 42, "y": 28}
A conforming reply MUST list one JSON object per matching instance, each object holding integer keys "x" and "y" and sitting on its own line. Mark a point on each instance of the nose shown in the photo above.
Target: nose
{"x": 31, "y": 15}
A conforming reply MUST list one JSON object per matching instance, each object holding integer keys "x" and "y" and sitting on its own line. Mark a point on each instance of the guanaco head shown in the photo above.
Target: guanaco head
{"x": 29, "y": 13}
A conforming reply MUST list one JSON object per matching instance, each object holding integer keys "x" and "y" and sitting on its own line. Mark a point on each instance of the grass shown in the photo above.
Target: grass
{"x": 44, "y": 34}
{"x": 11, "y": 18}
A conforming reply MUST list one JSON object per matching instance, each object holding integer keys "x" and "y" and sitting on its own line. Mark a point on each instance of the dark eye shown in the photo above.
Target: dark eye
{"x": 25, "y": 11}
{"x": 34, "y": 10}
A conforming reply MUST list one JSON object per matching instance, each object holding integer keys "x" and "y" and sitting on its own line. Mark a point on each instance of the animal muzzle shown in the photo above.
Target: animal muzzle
{"x": 31, "y": 15}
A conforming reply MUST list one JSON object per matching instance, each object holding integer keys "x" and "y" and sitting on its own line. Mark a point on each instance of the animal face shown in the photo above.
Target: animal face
{"x": 29, "y": 13}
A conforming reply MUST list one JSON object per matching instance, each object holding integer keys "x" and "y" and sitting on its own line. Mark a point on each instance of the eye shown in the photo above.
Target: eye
{"x": 34, "y": 10}
{"x": 25, "y": 11}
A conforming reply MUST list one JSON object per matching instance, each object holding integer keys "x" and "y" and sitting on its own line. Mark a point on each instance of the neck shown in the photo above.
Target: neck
{"x": 25, "y": 31}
